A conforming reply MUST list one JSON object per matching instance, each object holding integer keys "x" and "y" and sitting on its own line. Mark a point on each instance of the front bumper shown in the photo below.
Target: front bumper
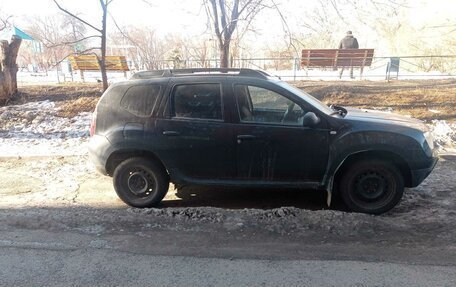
{"x": 419, "y": 175}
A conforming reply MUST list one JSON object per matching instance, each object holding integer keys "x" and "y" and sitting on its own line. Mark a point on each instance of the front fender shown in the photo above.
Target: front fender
{"x": 349, "y": 144}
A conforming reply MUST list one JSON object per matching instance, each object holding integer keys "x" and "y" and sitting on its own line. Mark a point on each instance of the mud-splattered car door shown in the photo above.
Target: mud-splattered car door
{"x": 273, "y": 144}
{"x": 194, "y": 136}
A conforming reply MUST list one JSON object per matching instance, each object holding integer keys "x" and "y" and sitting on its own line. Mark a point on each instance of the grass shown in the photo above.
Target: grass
{"x": 72, "y": 98}
{"x": 423, "y": 99}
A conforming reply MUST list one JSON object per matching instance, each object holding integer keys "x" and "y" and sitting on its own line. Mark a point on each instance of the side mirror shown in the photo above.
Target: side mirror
{"x": 310, "y": 119}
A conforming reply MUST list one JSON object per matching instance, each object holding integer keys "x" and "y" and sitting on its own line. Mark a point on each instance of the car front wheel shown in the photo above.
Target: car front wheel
{"x": 140, "y": 182}
{"x": 372, "y": 186}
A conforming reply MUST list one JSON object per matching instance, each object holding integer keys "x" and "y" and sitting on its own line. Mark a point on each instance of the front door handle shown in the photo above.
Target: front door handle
{"x": 171, "y": 133}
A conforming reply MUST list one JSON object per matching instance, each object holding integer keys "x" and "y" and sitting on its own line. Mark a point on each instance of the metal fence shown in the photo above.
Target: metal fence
{"x": 290, "y": 69}
{"x": 397, "y": 67}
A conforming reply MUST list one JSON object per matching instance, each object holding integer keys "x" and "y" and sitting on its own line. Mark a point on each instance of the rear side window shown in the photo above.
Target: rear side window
{"x": 198, "y": 101}
{"x": 140, "y": 100}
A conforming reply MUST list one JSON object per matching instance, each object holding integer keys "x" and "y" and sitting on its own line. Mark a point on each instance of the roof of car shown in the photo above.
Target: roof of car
{"x": 201, "y": 72}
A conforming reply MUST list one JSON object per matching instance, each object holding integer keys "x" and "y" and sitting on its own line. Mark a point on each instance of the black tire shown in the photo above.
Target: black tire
{"x": 140, "y": 182}
{"x": 371, "y": 186}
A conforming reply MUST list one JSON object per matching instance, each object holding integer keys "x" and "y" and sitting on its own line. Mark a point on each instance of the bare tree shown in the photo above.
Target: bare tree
{"x": 225, "y": 16}
{"x": 322, "y": 25}
{"x": 101, "y": 33}
{"x": 8, "y": 65}
{"x": 4, "y": 22}
{"x": 199, "y": 51}
{"x": 59, "y": 34}
{"x": 141, "y": 44}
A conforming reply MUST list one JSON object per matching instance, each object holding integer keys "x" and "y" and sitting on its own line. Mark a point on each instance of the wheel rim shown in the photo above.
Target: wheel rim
{"x": 373, "y": 188}
{"x": 370, "y": 186}
{"x": 140, "y": 182}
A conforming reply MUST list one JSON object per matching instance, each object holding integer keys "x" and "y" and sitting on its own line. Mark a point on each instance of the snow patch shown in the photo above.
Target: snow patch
{"x": 35, "y": 129}
{"x": 444, "y": 135}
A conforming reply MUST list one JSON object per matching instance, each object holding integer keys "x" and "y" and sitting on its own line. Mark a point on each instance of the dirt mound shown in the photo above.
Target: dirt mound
{"x": 72, "y": 99}
{"x": 71, "y": 109}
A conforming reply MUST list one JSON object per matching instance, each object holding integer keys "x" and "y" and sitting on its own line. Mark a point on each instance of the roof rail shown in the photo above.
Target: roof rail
{"x": 181, "y": 72}
{"x": 148, "y": 74}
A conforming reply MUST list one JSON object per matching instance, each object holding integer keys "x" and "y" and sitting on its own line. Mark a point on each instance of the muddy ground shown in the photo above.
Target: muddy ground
{"x": 60, "y": 195}
{"x": 52, "y": 198}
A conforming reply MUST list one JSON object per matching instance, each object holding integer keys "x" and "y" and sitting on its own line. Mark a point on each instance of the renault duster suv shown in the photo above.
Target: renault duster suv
{"x": 242, "y": 127}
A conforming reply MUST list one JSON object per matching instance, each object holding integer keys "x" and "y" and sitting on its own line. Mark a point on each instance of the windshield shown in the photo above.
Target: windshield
{"x": 308, "y": 98}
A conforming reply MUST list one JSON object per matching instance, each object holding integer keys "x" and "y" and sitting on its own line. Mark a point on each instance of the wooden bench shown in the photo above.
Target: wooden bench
{"x": 335, "y": 58}
{"x": 90, "y": 63}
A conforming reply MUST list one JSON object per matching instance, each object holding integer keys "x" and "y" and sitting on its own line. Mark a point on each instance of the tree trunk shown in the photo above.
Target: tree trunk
{"x": 225, "y": 55}
{"x": 8, "y": 68}
{"x": 102, "y": 60}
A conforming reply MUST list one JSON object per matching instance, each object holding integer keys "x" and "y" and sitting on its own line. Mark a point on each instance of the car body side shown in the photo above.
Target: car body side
{"x": 331, "y": 145}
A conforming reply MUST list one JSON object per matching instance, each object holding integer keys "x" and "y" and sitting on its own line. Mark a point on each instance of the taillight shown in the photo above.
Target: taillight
{"x": 93, "y": 124}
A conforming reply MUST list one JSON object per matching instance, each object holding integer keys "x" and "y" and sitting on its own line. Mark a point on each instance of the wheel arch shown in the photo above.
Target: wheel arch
{"x": 119, "y": 156}
{"x": 396, "y": 159}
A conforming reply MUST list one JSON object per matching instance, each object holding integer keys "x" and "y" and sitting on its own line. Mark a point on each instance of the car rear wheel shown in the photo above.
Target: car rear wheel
{"x": 140, "y": 182}
{"x": 371, "y": 186}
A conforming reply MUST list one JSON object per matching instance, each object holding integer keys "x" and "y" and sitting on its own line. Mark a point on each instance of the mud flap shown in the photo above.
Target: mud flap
{"x": 329, "y": 193}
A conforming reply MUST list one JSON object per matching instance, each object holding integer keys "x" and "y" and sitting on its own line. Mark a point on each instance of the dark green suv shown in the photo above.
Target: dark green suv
{"x": 242, "y": 127}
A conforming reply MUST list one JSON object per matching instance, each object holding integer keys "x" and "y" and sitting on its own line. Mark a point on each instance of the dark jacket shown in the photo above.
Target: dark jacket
{"x": 349, "y": 42}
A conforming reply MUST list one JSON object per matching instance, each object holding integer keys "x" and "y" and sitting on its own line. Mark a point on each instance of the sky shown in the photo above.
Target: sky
{"x": 188, "y": 17}
{"x": 160, "y": 13}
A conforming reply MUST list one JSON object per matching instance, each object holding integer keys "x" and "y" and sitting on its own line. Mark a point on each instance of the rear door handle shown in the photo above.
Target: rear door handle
{"x": 246, "y": 137}
{"x": 171, "y": 133}
{"x": 240, "y": 138}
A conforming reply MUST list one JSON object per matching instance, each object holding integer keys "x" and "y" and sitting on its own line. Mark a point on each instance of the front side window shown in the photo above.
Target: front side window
{"x": 259, "y": 105}
{"x": 198, "y": 101}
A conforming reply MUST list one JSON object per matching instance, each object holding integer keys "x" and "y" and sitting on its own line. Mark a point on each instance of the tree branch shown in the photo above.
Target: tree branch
{"x": 5, "y": 23}
{"x": 223, "y": 17}
{"x": 336, "y": 8}
{"x": 72, "y": 42}
{"x": 216, "y": 24}
{"x": 123, "y": 33}
{"x": 85, "y": 52}
{"x": 245, "y": 6}
{"x": 76, "y": 17}
{"x": 88, "y": 50}
{"x": 286, "y": 28}
{"x": 234, "y": 18}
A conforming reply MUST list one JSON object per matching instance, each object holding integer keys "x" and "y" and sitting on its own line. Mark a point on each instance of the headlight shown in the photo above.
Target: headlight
{"x": 429, "y": 139}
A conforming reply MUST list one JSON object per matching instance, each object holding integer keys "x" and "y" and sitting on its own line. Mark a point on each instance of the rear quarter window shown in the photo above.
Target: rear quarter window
{"x": 140, "y": 100}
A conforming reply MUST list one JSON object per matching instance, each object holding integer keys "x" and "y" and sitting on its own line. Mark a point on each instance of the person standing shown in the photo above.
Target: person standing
{"x": 348, "y": 42}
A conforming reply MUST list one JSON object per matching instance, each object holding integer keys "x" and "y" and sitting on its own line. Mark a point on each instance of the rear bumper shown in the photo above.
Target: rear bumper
{"x": 97, "y": 155}
{"x": 419, "y": 175}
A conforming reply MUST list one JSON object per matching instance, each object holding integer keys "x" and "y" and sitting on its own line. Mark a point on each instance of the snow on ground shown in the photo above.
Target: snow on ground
{"x": 371, "y": 75}
{"x": 444, "y": 135}
{"x": 288, "y": 75}
{"x": 50, "y": 77}
{"x": 35, "y": 129}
